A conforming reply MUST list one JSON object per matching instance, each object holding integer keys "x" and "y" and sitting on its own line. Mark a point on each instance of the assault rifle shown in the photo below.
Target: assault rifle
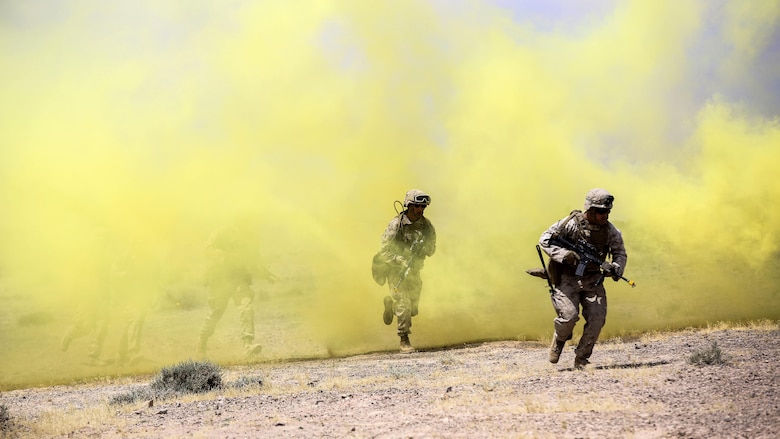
{"x": 545, "y": 273}
{"x": 414, "y": 248}
{"x": 588, "y": 254}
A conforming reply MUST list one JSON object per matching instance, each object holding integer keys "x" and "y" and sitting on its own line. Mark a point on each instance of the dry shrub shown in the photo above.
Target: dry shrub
{"x": 181, "y": 379}
{"x": 247, "y": 381}
{"x": 188, "y": 377}
{"x": 707, "y": 356}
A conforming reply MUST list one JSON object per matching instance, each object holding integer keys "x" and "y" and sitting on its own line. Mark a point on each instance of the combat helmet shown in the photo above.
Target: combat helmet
{"x": 598, "y": 198}
{"x": 416, "y": 196}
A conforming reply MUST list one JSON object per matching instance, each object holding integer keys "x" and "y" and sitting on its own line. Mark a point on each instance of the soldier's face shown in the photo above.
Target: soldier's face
{"x": 597, "y": 216}
{"x": 415, "y": 211}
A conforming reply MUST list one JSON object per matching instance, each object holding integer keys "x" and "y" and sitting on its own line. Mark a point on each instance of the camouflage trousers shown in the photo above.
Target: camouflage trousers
{"x": 130, "y": 336}
{"x": 406, "y": 299}
{"x": 567, "y": 300}
{"x": 243, "y": 296}
{"x": 93, "y": 319}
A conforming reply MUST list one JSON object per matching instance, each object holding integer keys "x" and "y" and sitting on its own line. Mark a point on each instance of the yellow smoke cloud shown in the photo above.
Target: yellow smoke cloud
{"x": 138, "y": 131}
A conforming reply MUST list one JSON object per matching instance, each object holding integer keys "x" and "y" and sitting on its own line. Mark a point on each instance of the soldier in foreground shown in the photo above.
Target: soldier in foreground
{"x": 577, "y": 280}
{"x": 406, "y": 242}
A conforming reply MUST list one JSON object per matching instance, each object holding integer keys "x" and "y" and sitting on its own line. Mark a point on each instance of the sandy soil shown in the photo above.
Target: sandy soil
{"x": 643, "y": 388}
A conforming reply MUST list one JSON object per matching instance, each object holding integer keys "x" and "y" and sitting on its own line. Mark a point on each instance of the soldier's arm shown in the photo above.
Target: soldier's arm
{"x": 617, "y": 248}
{"x": 556, "y": 253}
{"x": 429, "y": 245}
{"x": 388, "y": 250}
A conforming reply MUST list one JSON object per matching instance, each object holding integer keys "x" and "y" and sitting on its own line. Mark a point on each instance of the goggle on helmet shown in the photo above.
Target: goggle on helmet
{"x": 415, "y": 196}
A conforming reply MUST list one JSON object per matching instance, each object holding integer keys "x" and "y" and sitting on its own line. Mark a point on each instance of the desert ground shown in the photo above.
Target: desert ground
{"x": 644, "y": 387}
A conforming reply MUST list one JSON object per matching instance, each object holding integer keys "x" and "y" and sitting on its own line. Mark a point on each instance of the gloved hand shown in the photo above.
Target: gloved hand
{"x": 402, "y": 261}
{"x": 571, "y": 257}
{"x": 615, "y": 270}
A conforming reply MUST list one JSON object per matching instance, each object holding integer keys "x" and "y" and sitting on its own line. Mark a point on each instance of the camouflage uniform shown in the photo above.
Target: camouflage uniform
{"x": 572, "y": 292}
{"x": 94, "y": 315}
{"x": 233, "y": 258}
{"x": 92, "y": 319}
{"x": 396, "y": 251}
{"x": 135, "y": 282}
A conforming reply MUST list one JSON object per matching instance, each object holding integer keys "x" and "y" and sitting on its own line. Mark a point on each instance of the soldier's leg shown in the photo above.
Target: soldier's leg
{"x": 402, "y": 308}
{"x": 136, "y": 327}
{"x": 414, "y": 295}
{"x": 566, "y": 302}
{"x": 244, "y": 299}
{"x": 395, "y": 284}
{"x": 594, "y": 311}
{"x": 388, "y": 312}
{"x": 132, "y": 317}
{"x": 86, "y": 322}
{"x": 123, "y": 340}
{"x": 405, "y": 309}
{"x": 96, "y": 346}
{"x": 130, "y": 343}
{"x": 81, "y": 326}
{"x": 217, "y": 303}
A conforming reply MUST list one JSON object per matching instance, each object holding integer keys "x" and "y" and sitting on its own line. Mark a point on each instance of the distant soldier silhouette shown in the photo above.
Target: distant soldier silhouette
{"x": 92, "y": 273}
{"x": 233, "y": 263}
{"x": 135, "y": 286}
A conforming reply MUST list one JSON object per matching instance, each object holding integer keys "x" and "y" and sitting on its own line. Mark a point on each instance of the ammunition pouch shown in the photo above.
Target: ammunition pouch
{"x": 379, "y": 269}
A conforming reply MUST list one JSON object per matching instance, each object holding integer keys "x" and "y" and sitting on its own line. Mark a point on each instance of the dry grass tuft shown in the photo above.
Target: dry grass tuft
{"x": 761, "y": 325}
{"x": 65, "y": 422}
{"x": 664, "y": 334}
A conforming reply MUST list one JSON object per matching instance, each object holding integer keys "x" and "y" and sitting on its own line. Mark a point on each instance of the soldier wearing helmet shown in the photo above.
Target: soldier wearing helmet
{"x": 233, "y": 270}
{"x": 407, "y": 241}
{"x": 587, "y": 291}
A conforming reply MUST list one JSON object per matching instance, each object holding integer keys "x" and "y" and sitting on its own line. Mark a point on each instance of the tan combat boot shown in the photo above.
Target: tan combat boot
{"x": 555, "y": 350}
{"x": 406, "y": 346}
{"x": 252, "y": 349}
{"x": 580, "y": 363}
{"x": 387, "y": 316}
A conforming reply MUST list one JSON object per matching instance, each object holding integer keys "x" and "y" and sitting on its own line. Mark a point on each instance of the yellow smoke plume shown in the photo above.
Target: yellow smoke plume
{"x": 131, "y": 133}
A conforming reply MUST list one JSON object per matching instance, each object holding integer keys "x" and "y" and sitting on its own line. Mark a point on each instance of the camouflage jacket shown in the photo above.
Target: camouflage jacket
{"x": 401, "y": 234}
{"x": 607, "y": 239}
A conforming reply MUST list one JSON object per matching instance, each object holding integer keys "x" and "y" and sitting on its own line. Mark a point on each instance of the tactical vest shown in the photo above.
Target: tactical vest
{"x": 592, "y": 233}
{"x": 408, "y": 233}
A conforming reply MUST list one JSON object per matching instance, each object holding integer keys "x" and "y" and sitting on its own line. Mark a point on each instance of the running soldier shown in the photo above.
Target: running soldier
{"x": 408, "y": 240}
{"x": 233, "y": 265}
{"x": 587, "y": 291}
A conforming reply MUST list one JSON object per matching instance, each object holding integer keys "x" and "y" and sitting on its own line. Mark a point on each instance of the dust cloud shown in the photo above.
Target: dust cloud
{"x": 129, "y": 132}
